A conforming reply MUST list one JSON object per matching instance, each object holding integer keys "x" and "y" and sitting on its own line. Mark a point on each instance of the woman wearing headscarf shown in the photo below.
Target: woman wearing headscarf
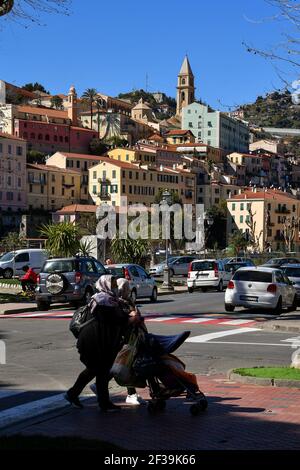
{"x": 99, "y": 342}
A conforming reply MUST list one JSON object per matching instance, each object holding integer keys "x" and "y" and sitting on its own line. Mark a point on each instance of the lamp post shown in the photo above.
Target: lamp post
{"x": 167, "y": 285}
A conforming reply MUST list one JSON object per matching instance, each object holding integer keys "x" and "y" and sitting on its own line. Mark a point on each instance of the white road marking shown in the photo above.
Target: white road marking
{"x": 161, "y": 319}
{"x": 250, "y": 344}
{"x": 33, "y": 409}
{"x": 198, "y": 320}
{"x": 295, "y": 342}
{"x": 220, "y": 334}
{"x": 237, "y": 322}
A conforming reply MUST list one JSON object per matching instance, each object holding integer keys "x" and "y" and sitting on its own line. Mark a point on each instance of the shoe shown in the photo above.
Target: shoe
{"x": 73, "y": 401}
{"x": 93, "y": 387}
{"x": 135, "y": 399}
{"x": 110, "y": 407}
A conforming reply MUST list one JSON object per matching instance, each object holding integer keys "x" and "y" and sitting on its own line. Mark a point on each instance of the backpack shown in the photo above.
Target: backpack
{"x": 79, "y": 320}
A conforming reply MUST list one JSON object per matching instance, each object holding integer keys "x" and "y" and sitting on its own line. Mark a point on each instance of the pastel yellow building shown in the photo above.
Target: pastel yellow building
{"x": 270, "y": 209}
{"x": 76, "y": 161}
{"x": 50, "y": 188}
{"x": 111, "y": 179}
{"x": 130, "y": 155}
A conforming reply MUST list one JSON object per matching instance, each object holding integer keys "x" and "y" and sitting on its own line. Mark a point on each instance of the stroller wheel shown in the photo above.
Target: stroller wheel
{"x": 203, "y": 403}
{"x": 195, "y": 409}
{"x": 161, "y": 405}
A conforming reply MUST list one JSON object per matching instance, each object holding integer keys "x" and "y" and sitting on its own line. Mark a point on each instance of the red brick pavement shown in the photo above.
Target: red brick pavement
{"x": 239, "y": 416}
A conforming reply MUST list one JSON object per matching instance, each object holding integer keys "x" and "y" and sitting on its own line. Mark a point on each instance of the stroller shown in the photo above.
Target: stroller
{"x": 147, "y": 361}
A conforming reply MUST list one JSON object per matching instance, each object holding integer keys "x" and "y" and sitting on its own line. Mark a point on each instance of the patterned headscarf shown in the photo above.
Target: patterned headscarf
{"x": 105, "y": 296}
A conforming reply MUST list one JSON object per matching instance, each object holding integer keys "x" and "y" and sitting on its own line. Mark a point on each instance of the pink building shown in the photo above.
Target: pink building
{"x": 49, "y": 137}
{"x": 12, "y": 173}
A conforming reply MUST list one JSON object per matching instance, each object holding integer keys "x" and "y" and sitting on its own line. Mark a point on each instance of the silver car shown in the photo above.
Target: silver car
{"x": 178, "y": 265}
{"x": 141, "y": 284}
{"x": 292, "y": 271}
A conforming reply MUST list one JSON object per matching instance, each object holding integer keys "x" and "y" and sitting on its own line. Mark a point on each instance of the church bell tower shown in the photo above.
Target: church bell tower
{"x": 185, "y": 86}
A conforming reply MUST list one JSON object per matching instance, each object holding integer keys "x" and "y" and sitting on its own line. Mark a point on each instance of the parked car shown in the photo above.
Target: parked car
{"x": 292, "y": 271}
{"x": 67, "y": 280}
{"x": 278, "y": 262}
{"x": 141, "y": 283}
{"x": 233, "y": 267}
{"x": 11, "y": 263}
{"x": 178, "y": 265}
{"x": 238, "y": 259}
{"x": 260, "y": 287}
{"x": 207, "y": 273}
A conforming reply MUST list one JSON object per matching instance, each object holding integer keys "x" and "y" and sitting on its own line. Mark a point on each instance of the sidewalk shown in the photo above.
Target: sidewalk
{"x": 239, "y": 416}
{"x": 289, "y": 322}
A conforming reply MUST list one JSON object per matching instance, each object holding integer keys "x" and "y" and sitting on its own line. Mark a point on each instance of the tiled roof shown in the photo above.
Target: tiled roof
{"x": 77, "y": 208}
{"x": 43, "y": 111}
{"x": 81, "y": 156}
{"x": 10, "y": 136}
{"x": 270, "y": 194}
{"x": 178, "y": 132}
{"x": 35, "y": 166}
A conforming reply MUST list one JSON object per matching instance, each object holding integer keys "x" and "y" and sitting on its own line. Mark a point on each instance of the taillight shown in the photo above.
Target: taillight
{"x": 126, "y": 274}
{"x": 38, "y": 279}
{"x": 230, "y": 285}
{"x": 190, "y": 269}
{"x": 216, "y": 270}
{"x": 78, "y": 277}
{"x": 272, "y": 288}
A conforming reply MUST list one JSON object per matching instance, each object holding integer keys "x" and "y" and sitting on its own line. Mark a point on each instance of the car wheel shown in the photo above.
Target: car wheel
{"x": 220, "y": 286}
{"x": 190, "y": 290}
{"x": 229, "y": 308}
{"x": 153, "y": 297}
{"x": 278, "y": 309}
{"x": 87, "y": 296}
{"x": 8, "y": 273}
{"x": 293, "y": 307}
{"x": 133, "y": 296}
{"x": 42, "y": 305}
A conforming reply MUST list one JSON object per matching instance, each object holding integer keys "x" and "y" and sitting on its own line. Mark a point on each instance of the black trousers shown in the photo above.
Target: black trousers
{"x": 27, "y": 283}
{"x": 85, "y": 377}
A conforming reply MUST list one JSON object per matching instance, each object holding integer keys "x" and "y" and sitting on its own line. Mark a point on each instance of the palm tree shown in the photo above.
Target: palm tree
{"x": 62, "y": 239}
{"x": 90, "y": 96}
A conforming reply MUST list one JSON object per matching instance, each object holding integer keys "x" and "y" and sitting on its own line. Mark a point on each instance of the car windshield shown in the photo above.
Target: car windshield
{"x": 203, "y": 266}
{"x": 253, "y": 276}
{"x": 60, "y": 266}
{"x": 8, "y": 256}
{"x": 292, "y": 272}
{"x": 275, "y": 261}
{"x": 117, "y": 271}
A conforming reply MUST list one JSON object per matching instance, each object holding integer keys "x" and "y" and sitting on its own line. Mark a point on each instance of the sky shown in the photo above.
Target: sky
{"x": 114, "y": 45}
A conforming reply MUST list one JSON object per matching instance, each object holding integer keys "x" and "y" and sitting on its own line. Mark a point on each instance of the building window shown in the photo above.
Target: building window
{"x": 53, "y": 190}
{"x": 19, "y": 150}
{"x": 94, "y": 189}
{"x": 241, "y": 219}
{"x": 242, "y": 206}
{"x": 40, "y": 137}
{"x": 66, "y": 139}
{"x": 47, "y": 137}
{"x": 9, "y": 149}
{"x": 190, "y": 124}
{"x": 94, "y": 175}
{"x": 53, "y": 177}
{"x": 114, "y": 174}
{"x": 62, "y": 191}
{"x": 233, "y": 206}
{"x": 78, "y": 164}
{"x": 55, "y": 138}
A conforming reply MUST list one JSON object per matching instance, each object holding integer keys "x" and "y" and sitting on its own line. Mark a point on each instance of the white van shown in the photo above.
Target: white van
{"x": 11, "y": 263}
{"x": 207, "y": 273}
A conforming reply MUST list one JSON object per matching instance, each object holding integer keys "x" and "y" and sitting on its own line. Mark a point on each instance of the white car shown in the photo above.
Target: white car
{"x": 207, "y": 273}
{"x": 11, "y": 263}
{"x": 260, "y": 287}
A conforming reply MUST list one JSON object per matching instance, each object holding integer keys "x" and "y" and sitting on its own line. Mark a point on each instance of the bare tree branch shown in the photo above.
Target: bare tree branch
{"x": 29, "y": 11}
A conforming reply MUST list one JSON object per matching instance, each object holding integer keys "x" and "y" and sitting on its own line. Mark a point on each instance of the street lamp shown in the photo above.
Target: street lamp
{"x": 167, "y": 285}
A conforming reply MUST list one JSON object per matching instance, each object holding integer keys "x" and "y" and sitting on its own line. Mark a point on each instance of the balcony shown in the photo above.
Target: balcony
{"x": 282, "y": 210}
{"x": 104, "y": 196}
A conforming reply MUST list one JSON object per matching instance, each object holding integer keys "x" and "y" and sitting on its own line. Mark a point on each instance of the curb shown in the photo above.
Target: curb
{"x": 172, "y": 292}
{"x": 262, "y": 381}
{"x": 283, "y": 328}
{"x": 27, "y": 309}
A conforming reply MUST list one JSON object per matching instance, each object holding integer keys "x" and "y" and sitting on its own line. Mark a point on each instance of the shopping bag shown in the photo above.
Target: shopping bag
{"x": 122, "y": 370}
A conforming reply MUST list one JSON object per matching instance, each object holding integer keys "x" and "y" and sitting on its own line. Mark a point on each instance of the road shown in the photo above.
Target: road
{"x": 42, "y": 359}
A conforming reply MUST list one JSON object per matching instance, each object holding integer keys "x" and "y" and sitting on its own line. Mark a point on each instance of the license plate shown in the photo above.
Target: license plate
{"x": 203, "y": 275}
{"x": 249, "y": 298}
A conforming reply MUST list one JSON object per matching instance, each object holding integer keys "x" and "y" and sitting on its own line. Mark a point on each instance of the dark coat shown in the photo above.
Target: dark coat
{"x": 100, "y": 341}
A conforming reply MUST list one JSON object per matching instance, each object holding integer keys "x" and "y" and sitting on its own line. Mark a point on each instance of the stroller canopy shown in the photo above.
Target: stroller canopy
{"x": 169, "y": 344}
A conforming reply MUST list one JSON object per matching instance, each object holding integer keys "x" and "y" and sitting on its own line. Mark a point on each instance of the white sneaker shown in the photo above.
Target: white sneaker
{"x": 94, "y": 389}
{"x": 135, "y": 399}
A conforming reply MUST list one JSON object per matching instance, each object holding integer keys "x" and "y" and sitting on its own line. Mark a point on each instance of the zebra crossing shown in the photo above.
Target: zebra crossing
{"x": 201, "y": 319}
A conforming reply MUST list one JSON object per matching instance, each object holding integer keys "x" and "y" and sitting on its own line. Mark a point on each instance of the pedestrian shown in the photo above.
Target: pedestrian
{"x": 99, "y": 342}
{"x": 128, "y": 307}
{"x": 29, "y": 280}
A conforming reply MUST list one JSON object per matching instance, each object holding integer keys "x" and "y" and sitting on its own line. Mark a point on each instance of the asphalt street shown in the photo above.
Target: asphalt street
{"x": 42, "y": 359}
